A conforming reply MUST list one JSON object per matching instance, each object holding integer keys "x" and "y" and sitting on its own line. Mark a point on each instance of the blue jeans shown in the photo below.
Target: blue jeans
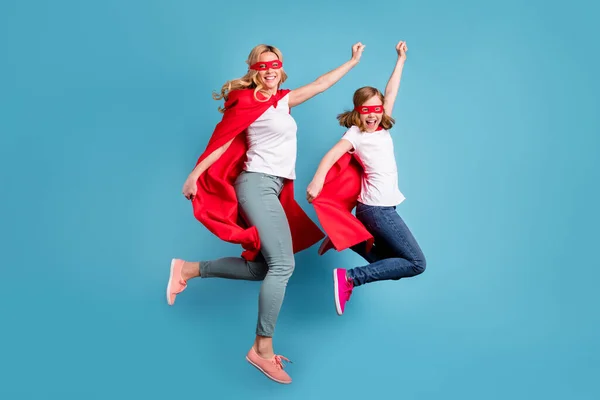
{"x": 395, "y": 254}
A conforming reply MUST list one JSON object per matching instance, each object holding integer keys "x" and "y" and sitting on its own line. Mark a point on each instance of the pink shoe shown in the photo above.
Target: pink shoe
{"x": 342, "y": 289}
{"x": 176, "y": 283}
{"x": 271, "y": 367}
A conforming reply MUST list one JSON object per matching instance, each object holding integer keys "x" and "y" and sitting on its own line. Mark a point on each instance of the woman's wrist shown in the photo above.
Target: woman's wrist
{"x": 318, "y": 179}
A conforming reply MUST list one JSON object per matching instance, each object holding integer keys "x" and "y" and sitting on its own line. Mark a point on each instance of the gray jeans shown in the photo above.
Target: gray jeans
{"x": 258, "y": 196}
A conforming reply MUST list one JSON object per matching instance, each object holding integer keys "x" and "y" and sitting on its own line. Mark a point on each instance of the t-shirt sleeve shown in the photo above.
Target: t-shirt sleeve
{"x": 353, "y": 135}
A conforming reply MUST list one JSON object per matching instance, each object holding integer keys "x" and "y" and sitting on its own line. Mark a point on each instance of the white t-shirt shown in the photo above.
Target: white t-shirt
{"x": 272, "y": 142}
{"x": 375, "y": 152}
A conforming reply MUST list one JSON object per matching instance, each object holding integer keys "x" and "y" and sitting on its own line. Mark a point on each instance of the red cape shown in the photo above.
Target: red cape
{"x": 335, "y": 203}
{"x": 215, "y": 204}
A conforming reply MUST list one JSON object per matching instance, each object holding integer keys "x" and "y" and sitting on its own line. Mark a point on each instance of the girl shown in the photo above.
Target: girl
{"x": 242, "y": 190}
{"x": 395, "y": 253}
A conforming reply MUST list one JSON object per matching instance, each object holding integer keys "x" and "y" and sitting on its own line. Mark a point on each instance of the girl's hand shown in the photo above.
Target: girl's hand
{"x": 189, "y": 187}
{"x": 401, "y": 48}
{"x": 357, "y": 50}
{"x": 313, "y": 190}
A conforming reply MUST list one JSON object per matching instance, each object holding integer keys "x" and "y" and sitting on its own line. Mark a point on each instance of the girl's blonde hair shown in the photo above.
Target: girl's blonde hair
{"x": 251, "y": 79}
{"x": 350, "y": 118}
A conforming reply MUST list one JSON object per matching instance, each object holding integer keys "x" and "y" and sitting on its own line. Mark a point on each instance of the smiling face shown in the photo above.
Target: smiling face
{"x": 269, "y": 70}
{"x": 368, "y": 113}
{"x": 371, "y": 112}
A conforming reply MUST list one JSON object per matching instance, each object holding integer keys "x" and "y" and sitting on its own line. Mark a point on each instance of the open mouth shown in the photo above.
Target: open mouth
{"x": 270, "y": 78}
{"x": 371, "y": 122}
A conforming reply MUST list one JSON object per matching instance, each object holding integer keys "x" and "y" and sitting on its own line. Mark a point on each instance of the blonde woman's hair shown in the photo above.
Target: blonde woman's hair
{"x": 350, "y": 118}
{"x": 251, "y": 79}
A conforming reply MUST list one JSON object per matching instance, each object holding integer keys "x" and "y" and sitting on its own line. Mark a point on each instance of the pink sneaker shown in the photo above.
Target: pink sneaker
{"x": 272, "y": 367}
{"x": 342, "y": 289}
{"x": 176, "y": 283}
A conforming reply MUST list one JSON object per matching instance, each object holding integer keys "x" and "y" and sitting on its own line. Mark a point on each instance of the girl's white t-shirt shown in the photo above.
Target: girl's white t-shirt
{"x": 272, "y": 142}
{"x": 375, "y": 152}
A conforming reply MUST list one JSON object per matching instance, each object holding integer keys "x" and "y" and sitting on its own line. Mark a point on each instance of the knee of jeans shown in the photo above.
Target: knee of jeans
{"x": 284, "y": 267}
{"x": 420, "y": 265}
{"x": 290, "y": 266}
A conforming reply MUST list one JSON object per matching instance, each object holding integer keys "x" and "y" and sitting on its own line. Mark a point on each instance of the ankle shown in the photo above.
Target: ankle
{"x": 265, "y": 353}
{"x": 349, "y": 280}
{"x": 190, "y": 270}
{"x": 264, "y": 347}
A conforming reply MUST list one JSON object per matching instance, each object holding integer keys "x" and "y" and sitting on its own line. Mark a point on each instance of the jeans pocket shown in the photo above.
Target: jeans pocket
{"x": 241, "y": 199}
{"x": 362, "y": 209}
{"x": 272, "y": 182}
{"x": 238, "y": 185}
{"x": 242, "y": 178}
{"x": 375, "y": 217}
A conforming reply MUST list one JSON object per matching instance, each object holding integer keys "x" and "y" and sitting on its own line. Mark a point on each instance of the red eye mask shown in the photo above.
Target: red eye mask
{"x": 369, "y": 109}
{"x": 265, "y": 65}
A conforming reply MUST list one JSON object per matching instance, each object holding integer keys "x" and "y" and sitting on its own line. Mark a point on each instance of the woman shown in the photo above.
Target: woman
{"x": 247, "y": 171}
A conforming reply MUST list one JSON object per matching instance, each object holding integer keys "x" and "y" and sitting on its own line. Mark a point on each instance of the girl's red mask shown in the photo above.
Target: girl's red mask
{"x": 369, "y": 109}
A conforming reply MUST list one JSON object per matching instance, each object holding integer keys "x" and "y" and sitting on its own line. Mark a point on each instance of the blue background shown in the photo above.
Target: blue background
{"x": 106, "y": 105}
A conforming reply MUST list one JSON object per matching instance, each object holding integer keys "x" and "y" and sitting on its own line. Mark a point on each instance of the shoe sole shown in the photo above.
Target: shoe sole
{"x": 169, "y": 284}
{"x": 267, "y": 375}
{"x": 336, "y": 293}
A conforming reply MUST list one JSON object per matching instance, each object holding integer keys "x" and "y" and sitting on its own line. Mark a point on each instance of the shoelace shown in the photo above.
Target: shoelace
{"x": 277, "y": 361}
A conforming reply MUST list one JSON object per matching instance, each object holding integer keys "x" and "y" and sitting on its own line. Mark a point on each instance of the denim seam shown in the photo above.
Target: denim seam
{"x": 406, "y": 245}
